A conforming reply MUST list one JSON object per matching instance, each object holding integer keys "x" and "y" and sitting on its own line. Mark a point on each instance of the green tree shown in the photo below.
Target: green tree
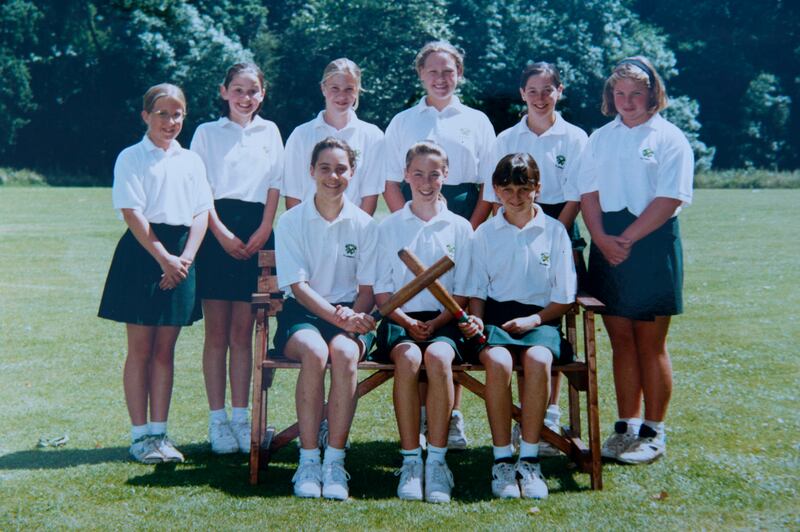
{"x": 764, "y": 126}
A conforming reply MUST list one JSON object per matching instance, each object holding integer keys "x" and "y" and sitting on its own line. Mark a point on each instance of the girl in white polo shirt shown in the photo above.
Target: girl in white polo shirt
{"x": 341, "y": 87}
{"x": 163, "y": 196}
{"x": 636, "y": 174}
{"x": 556, "y": 146}
{"x": 243, "y": 154}
{"x": 422, "y": 330}
{"x": 326, "y": 257}
{"x": 522, "y": 282}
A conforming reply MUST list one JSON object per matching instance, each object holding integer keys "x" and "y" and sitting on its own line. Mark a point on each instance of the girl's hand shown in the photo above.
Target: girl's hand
{"x": 233, "y": 246}
{"x": 419, "y": 331}
{"x": 342, "y": 313}
{"x": 471, "y": 328}
{"x": 522, "y": 325}
{"x": 174, "y": 270}
{"x": 359, "y": 323}
{"x": 257, "y": 240}
{"x": 612, "y": 249}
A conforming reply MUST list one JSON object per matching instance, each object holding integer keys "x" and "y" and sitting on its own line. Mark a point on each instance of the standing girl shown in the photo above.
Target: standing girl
{"x": 341, "y": 87}
{"x": 636, "y": 174}
{"x": 464, "y": 133}
{"x": 243, "y": 154}
{"x": 422, "y": 331}
{"x": 523, "y": 281}
{"x": 163, "y": 196}
{"x": 326, "y": 262}
{"x": 556, "y": 146}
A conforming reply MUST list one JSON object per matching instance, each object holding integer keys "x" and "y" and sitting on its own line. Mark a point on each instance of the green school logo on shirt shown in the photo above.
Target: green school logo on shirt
{"x": 647, "y": 154}
{"x": 350, "y": 250}
{"x": 358, "y": 155}
{"x": 544, "y": 259}
{"x": 560, "y": 161}
{"x": 451, "y": 250}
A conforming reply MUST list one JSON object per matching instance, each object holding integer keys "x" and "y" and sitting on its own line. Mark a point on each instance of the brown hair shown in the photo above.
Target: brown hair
{"x": 162, "y": 90}
{"x": 425, "y": 147}
{"x": 234, "y": 71}
{"x": 331, "y": 143}
{"x": 637, "y": 68}
{"x": 516, "y": 169}
{"x": 440, "y": 46}
{"x": 347, "y": 67}
{"x": 543, "y": 68}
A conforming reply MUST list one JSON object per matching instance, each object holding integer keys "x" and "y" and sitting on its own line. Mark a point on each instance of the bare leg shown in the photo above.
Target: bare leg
{"x": 536, "y": 362}
{"x": 308, "y": 347}
{"x": 439, "y": 365}
{"x": 627, "y": 373}
{"x": 161, "y": 371}
{"x": 498, "y": 364}
{"x": 217, "y": 320}
{"x": 135, "y": 379}
{"x": 241, "y": 346}
{"x": 655, "y": 366}
{"x": 407, "y": 359}
{"x": 345, "y": 353}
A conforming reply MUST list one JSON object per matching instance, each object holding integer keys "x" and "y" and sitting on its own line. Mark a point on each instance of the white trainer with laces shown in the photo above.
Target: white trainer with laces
{"x": 167, "y": 448}
{"x": 410, "y": 486}
{"x": 438, "y": 482}
{"x": 456, "y": 437}
{"x": 644, "y": 450}
{"x": 618, "y": 443}
{"x": 531, "y": 481}
{"x": 241, "y": 432}
{"x": 222, "y": 438}
{"x": 144, "y": 451}
{"x": 504, "y": 480}
{"x": 308, "y": 480}
{"x": 334, "y": 481}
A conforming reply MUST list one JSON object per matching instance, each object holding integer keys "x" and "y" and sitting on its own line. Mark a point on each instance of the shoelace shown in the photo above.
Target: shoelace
{"x": 306, "y": 472}
{"x": 337, "y": 472}
{"x": 505, "y": 470}
{"x": 527, "y": 471}
{"x": 408, "y": 470}
{"x": 442, "y": 474}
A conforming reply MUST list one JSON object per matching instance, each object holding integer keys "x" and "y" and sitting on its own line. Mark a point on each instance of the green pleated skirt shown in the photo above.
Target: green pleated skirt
{"x": 391, "y": 334}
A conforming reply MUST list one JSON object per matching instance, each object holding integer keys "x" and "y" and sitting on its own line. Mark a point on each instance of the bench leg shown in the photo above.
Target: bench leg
{"x": 593, "y": 408}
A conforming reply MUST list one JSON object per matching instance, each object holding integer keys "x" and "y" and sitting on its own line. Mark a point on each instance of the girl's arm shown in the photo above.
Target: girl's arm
{"x": 369, "y": 204}
{"x": 317, "y": 305}
{"x": 290, "y": 202}
{"x": 613, "y": 251}
{"x": 229, "y": 241}
{"x": 393, "y": 196}
{"x": 481, "y": 212}
{"x": 654, "y": 216}
{"x": 174, "y": 269}
{"x": 418, "y": 330}
{"x": 261, "y": 235}
{"x": 196, "y": 233}
{"x": 526, "y": 323}
{"x": 569, "y": 213}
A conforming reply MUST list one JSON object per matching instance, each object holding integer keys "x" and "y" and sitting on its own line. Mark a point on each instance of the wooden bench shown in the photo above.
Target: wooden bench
{"x": 581, "y": 378}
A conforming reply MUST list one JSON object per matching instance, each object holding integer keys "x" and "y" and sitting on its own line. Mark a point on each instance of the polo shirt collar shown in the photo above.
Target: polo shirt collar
{"x": 320, "y": 123}
{"x": 348, "y": 212}
{"x": 256, "y": 123}
{"x": 174, "y": 146}
{"x": 559, "y": 127}
{"x": 408, "y": 214}
{"x": 654, "y": 122}
{"x": 454, "y": 107}
{"x": 537, "y": 222}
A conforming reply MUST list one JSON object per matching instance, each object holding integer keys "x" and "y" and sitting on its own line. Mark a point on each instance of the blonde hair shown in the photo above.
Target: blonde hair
{"x": 162, "y": 90}
{"x": 637, "y": 68}
{"x": 440, "y": 46}
{"x": 347, "y": 67}
{"x": 425, "y": 147}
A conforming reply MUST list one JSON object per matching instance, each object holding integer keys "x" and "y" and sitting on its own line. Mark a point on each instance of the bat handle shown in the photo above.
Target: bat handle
{"x": 462, "y": 317}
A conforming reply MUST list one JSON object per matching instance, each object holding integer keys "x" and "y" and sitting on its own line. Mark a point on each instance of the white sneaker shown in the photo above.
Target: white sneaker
{"x": 504, "y": 481}
{"x": 618, "y": 443}
{"x": 221, "y": 437}
{"x": 324, "y": 433}
{"x": 438, "y": 482}
{"x": 644, "y": 450}
{"x": 144, "y": 451}
{"x": 308, "y": 480}
{"x": 241, "y": 431}
{"x": 410, "y": 486}
{"x": 531, "y": 481}
{"x": 334, "y": 481}
{"x": 167, "y": 448}
{"x": 423, "y": 430}
{"x": 456, "y": 438}
{"x": 545, "y": 449}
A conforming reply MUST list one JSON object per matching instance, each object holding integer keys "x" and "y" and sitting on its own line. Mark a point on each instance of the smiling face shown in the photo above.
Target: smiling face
{"x": 632, "y": 99}
{"x": 541, "y": 95}
{"x": 244, "y": 94}
{"x": 439, "y": 75}
{"x": 516, "y": 198}
{"x": 164, "y": 121}
{"x": 332, "y": 172}
{"x": 425, "y": 175}
{"x": 340, "y": 92}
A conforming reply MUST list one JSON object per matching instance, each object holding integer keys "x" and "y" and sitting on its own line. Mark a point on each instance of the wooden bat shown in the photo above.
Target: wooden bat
{"x": 438, "y": 290}
{"x": 424, "y": 278}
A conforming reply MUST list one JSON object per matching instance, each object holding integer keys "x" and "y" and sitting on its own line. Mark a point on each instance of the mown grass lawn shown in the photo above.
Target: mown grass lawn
{"x": 734, "y": 432}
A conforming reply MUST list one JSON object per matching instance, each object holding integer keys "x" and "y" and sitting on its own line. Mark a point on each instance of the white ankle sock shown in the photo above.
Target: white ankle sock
{"x": 633, "y": 424}
{"x": 157, "y": 428}
{"x": 217, "y": 415}
{"x": 504, "y": 451}
{"x": 138, "y": 432}
{"x": 411, "y": 455}
{"x": 553, "y": 414}
{"x": 333, "y": 454}
{"x": 528, "y": 450}
{"x": 239, "y": 414}
{"x": 436, "y": 454}
{"x": 309, "y": 455}
{"x": 657, "y": 426}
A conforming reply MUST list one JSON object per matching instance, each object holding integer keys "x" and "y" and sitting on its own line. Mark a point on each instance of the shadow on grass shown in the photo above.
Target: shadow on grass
{"x": 371, "y": 465}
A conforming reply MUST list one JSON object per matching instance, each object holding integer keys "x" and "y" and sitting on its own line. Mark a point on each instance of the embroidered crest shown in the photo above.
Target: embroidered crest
{"x": 350, "y": 250}
{"x": 451, "y": 250}
{"x": 358, "y": 155}
{"x": 647, "y": 154}
{"x": 561, "y": 160}
{"x": 544, "y": 259}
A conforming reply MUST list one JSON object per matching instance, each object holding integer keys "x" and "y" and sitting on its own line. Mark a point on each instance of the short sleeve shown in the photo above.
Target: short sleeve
{"x": 586, "y": 180}
{"x": 278, "y": 162}
{"x": 296, "y": 166}
{"x": 128, "y": 190}
{"x": 204, "y": 199}
{"x": 383, "y": 273}
{"x": 291, "y": 267}
{"x": 479, "y": 276}
{"x": 676, "y": 169}
{"x": 367, "y": 262}
{"x": 577, "y": 146}
{"x": 373, "y": 179}
{"x": 563, "y": 281}
{"x": 393, "y": 158}
{"x": 463, "y": 257}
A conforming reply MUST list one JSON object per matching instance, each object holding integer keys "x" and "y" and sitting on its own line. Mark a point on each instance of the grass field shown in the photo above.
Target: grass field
{"x": 734, "y": 432}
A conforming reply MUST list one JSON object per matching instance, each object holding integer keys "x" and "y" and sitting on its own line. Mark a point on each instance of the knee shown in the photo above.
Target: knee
{"x": 497, "y": 361}
{"x": 163, "y": 355}
{"x": 537, "y": 359}
{"x": 439, "y": 359}
{"x": 345, "y": 353}
{"x": 407, "y": 360}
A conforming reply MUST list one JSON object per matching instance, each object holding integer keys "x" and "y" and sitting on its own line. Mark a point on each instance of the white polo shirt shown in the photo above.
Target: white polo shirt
{"x": 167, "y": 187}
{"x": 556, "y": 152}
{"x": 241, "y": 162}
{"x": 630, "y": 167}
{"x": 532, "y": 265}
{"x": 363, "y": 137}
{"x": 465, "y": 134}
{"x": 333, "y": 257}
{"x": 444, "y": 234}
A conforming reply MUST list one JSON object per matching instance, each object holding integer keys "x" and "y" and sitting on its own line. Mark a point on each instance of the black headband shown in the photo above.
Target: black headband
{"x": 635, "y": 62}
